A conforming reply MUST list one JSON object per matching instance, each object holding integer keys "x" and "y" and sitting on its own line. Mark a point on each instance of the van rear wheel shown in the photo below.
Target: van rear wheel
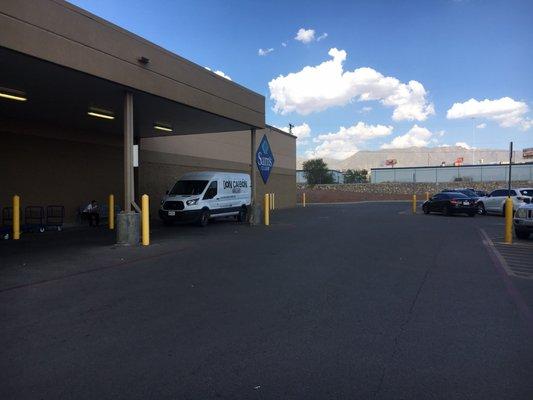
{"x": 203, "y": 220}
{"x": 241, "y": 217}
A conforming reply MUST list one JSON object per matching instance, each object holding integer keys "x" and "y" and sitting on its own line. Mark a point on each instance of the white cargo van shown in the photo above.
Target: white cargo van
{"x": 199, "y": 196}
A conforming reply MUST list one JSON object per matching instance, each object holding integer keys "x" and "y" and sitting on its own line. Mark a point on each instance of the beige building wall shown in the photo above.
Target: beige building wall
{"x": 51, "y": 165}
{"x": 56, "y": 166}
{"x": 163, "y": 160}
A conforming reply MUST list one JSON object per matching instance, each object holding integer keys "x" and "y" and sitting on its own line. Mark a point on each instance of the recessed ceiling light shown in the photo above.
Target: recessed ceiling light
{"x": 100, "y": 113}
{"x": 12, "y": 94}
{"x": 163, "y": 128}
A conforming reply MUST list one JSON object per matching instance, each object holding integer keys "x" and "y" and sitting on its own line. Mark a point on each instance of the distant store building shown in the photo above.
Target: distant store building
{"x": 465, "y": 173}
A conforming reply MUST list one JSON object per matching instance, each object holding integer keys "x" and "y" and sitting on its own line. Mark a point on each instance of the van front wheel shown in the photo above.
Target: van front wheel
{"x": 203, "y": 220}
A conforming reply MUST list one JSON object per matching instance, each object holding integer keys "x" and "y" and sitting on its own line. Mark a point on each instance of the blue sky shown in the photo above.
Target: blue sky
{"x": 454, "y": 50}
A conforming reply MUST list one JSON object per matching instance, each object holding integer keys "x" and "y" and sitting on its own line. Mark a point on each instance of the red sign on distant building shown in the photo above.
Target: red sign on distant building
{"x": 458, "y": 161}
{"x": 527, "y": 153}
{"x": 391, "y": 162}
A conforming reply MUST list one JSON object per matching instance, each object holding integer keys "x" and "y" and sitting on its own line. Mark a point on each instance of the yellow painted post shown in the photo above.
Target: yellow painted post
{"x": 427, "y": 196}
{"x": 267, "y": 209}
{"x": 273, "y": 201}
{"x": 508, "y": 221}
{"x": 145, "y": 213}
{"x": 414, "y": 203}
{"x": 111, "y": 212}
{"x": 303, "y": 199}
{"x": 16, "y": 217}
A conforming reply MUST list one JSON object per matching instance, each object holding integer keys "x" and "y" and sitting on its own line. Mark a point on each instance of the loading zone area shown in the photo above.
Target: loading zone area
{"x": 332, "y": 301}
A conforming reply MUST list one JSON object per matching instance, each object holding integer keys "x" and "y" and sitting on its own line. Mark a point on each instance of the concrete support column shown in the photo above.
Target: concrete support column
{"x": 128, "y": 151}
{"x": 128, "y": 220}
{"x": 254, "y": 215}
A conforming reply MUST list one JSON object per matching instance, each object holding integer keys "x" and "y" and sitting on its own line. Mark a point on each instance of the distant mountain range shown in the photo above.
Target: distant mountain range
{"x": 419, "y": 156}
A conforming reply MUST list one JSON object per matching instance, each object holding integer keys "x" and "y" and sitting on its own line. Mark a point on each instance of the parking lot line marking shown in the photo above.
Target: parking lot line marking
{"x": 503, "y": 270}
{"x": 490, "y": 244}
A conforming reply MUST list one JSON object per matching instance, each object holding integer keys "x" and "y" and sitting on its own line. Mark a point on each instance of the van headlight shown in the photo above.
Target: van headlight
{"x": 521, "y": 213}
{"x": 192, "y": 202}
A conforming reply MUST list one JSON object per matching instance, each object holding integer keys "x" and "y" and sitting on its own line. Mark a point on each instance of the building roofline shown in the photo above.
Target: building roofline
{"x": 273, "y": 128}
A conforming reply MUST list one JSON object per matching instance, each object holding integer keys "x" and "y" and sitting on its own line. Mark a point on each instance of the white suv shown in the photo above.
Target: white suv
{"x": 495, "y": 201}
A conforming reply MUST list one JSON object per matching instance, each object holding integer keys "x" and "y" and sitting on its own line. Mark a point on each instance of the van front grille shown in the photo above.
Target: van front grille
{"x": 173, "y": 205}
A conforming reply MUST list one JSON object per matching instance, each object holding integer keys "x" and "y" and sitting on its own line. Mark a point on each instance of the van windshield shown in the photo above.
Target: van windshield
{"x": 188, "y": 188}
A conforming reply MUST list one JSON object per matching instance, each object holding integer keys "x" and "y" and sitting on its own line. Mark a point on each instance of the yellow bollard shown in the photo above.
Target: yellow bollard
{"x": 145, "y": 213}
{"x": 16, "y": 217}
{"x": 414, "y": 203}
{"x": 508, "y": 221}
{"x": 303, "y": 199}
{"x": 111, "y": 212}
{"x": 427, "y": 196}
{"x": 267, "y": 209}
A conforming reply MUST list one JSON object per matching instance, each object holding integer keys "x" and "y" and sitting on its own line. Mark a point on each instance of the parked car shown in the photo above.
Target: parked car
{"x": 467, "y": 192}
{"x": 199, "y": 196}
{"x": 523, "y": 221}
{"x": 495, "y": 201}
{"x": 450, "y": 203}
{"x": 470, "y": 193}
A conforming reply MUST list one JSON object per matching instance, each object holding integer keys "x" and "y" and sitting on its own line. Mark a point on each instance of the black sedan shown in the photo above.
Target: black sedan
{"x": 470, "y": 193}
{"x": 450, "y": 203}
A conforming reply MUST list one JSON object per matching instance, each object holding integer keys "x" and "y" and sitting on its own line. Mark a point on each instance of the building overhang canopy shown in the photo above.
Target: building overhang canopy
{"x": 68, "y": 62}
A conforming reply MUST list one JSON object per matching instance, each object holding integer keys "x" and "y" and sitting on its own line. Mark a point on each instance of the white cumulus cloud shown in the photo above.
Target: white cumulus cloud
{"x": 302, "y": 132}
{"x": 417, "y": 136}
{"x": 264, "y": 52}
{"x": 222, "y": 74}
{"x": 305, "y": 35}
{"x": 505, "y": 111}
{"x": 337, "y": 149}
{"x": 327, "y": 85}
{"x": 343, "y": 143}
{"x": 464, "y": 145}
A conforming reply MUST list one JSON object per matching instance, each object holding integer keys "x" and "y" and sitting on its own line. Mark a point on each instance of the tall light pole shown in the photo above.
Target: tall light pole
{"x": 473, "y": 141}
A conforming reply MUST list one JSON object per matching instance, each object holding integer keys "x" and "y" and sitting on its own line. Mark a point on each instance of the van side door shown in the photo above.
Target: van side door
{"x": 211, "y": 196}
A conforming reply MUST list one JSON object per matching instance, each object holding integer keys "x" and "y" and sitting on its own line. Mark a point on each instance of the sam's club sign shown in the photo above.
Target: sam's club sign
{"x": 264, "y": 159}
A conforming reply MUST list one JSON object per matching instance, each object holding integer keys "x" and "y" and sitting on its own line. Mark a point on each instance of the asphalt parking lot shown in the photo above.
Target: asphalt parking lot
{"x": 331, "y": 301}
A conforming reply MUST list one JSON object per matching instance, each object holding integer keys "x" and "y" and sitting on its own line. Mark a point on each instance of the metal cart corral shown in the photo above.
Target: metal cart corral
{"x": 54, "y": 217}
{"x": 6, "y": 227}
{"x": 34, "y": 219}
{"x": 6, "y": 230}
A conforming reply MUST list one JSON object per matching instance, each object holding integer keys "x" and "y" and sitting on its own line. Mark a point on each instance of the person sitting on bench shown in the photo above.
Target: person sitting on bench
{"x": 92, "y": 213}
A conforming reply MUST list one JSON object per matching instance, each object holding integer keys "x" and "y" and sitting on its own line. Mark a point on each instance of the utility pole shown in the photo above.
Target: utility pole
{"x": 508, "y": 209}
{"x": 510, "y": 167}
{"x": 290, "y": 128}
{"x": 473, "y": 141}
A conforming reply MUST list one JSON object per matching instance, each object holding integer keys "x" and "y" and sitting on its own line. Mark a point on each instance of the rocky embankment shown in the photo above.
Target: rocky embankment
{"x": 389, "y": 191}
